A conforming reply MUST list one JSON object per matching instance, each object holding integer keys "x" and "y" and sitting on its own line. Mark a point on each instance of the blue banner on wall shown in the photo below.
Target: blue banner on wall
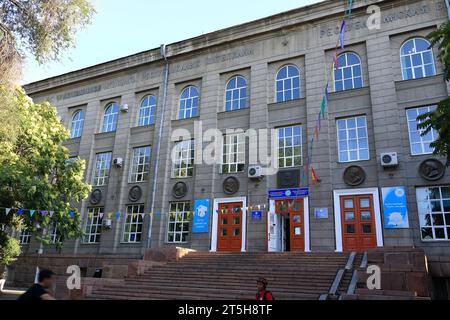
{"x": 395, "y": 208}
{"x": 201, "y": 216}
{"x": 288, "y": 193}
{"x": 257, "y": 215}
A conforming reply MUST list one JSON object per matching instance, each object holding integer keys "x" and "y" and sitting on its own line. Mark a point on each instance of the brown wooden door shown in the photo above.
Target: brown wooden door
{"x": 358, "y": 223}
{"x": 229, "y": 237}
{"x": 295, "y": 210}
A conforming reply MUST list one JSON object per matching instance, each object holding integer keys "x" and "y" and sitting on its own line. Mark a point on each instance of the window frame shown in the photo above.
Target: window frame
{"x": 277, "y": 80}
{"x": 185, "y": 220}
{"x": 24, "y": 237}
{"x": 133, "y": 218}
{"x": 445, "y": 214}
{"x": 177, "y": 163}
{"x": 293, "y": 156}
{"x": 357, "y": 138}
{"x": 352, "y": 67}
{"x": 147, "y": 119}
{"x": 133, "y": 175}
{"x": 193, "y": 110}
{"x": 77, "y": 125}
{"x": 404, "y": 68}
{"x": 239, "y": 149}
{"x": 434, "y": 134}
{"x": 97, "y": 217}
{"x": 106, "y": 169}
{"x": 107, "y": 124}
{"x": 241, "y": 101}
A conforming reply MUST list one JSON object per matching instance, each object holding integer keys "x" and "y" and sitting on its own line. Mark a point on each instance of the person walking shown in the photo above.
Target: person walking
{"x": 40, "y": 291}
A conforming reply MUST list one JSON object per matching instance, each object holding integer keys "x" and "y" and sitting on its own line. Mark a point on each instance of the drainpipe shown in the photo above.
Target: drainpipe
{"x": 447, "y": 3}
{"x": 158, "y": 145}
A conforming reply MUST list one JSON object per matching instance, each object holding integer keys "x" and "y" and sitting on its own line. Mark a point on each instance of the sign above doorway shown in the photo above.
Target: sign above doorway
{"x": 288, "y": 193}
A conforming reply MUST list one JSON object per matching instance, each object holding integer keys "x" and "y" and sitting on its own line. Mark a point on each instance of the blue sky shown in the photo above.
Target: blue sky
{"x": 121, "y": 28}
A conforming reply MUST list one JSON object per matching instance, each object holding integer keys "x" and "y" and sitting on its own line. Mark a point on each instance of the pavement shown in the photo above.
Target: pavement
{"x": 10, "y": 294}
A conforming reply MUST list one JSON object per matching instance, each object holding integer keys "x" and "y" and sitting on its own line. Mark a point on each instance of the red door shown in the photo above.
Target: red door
{"x": 294, "y": 208}
{"x": 229, "y": 238}
{"x": 358, "y": 223}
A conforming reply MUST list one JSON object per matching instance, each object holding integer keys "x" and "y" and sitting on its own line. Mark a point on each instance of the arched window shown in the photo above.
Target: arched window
{"x": 288, "y": 83}
{"x": 110, "y": 117}
{"x": 76, "y": 127}
{"x": 349, "y": 74}
{"x": 236, "y": 94}
{"x": 147, "y": 111}
{"x": 188, "y": 103}
{"x": 417, "y": 59}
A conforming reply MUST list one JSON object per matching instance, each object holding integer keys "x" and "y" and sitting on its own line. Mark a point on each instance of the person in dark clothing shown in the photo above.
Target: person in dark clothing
{"x": 263, "y": 294}
{"x": 38, "y": 291}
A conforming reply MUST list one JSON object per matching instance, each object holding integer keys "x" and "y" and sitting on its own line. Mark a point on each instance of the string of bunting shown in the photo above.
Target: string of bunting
{"x": 340, "y": 45}
{"x": 118, "y": 215}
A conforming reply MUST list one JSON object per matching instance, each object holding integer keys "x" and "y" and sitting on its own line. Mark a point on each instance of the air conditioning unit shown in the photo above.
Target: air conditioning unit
{"x": 389, "y": 159}
{"x": 255, "y": 172}
{"x": 118, "y": 162}
{"x": 107, "y": 223}
{"x": 124, "y": 108}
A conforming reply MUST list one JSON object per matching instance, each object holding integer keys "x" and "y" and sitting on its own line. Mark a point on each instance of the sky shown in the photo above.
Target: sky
{"x": 121, "y": 28}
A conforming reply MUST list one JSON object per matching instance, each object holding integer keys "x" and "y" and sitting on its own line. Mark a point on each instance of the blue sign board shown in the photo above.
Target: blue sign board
{"x": 201, "y": 216}
{"x": 256, "y": 215}
{"x": 321, "y": 213}
{"x": 395, "y": 208}
{"x": 288, "y": 193}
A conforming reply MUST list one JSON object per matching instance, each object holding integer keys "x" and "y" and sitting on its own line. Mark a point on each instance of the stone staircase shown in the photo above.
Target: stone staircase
{"x": 231, "y": 276}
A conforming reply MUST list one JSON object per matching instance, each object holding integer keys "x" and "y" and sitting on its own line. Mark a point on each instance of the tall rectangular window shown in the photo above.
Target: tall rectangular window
{"x": 183, "y": 159}
{"x": 55, "y": 234}
{"x": 140, "y": 165}
{"x": 179, "y": 222}
{"x": 434, "y": 213}
{"x": 101, "y": 169}
{"x": 133, "y": 224}
{"x": 93, "y": 227}
{"x": 233, "y": 157}
{"x": 290, "y": 147}
{"x": 353, "y": 143}
{"x": 419, "y": 144}
{"x": 25, "y": 236}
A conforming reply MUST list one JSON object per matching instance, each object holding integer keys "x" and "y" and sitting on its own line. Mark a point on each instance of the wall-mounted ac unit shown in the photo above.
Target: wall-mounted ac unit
{"x": 389, "y": 159}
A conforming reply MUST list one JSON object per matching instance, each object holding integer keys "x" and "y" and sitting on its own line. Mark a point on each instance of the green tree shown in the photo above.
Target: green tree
{"x": 43, "y": 28}
{"x": 35, "y": 173}
{"x": 439, "y": 119}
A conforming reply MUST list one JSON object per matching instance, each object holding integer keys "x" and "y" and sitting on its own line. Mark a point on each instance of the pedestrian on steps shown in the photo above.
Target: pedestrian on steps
{"x": 263, "y": 294}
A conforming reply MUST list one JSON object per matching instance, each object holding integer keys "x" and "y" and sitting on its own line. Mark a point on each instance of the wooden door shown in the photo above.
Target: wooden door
{"x": 229, "y": 237}
{"x": 294, "y": 209}
{"x": 358, "y": 223}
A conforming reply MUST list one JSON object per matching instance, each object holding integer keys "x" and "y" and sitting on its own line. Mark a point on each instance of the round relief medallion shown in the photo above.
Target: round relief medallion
{"x": 231, "y": 185}
{"x": 354, "y": 176}
{"x": 96, "y": 196}
{"x": 179, "y": 190}
{"x": 135, "y": 194}
{"x": 431, "y": 170}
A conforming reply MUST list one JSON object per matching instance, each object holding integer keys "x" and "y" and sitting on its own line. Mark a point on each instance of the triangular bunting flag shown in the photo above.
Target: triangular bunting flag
{"x": 43, "y": 213}
{"x": 32, "y": 212}
{"x": 52, "y": 213}
{"x": 19, "y": 211}
{"x": 143, "y": 215}
{"x": 335, "y": 61}
{"x": 314, "y": 175}
{"x": 110, "y": 215}
{"x": 101, "y": 214}
{"x": 7, "y": 211}
{"x": 118, "y": 215}
{"x": 72, "y": 214}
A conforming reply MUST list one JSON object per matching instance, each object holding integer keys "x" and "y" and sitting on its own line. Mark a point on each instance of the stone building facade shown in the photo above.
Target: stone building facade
{"x": 266, "y": 74}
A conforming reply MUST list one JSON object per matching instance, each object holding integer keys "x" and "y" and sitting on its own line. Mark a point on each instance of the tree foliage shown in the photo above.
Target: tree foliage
{"x": 44, "y": 28}
{"x": 439, "y": 119}
{"x": 35, "y": 172}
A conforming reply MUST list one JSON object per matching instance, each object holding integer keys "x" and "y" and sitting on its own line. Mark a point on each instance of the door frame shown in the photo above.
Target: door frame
{"x": 337, "y": 194}
{"x": 215, "y": 221}
{"x": 305, "y": 218}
